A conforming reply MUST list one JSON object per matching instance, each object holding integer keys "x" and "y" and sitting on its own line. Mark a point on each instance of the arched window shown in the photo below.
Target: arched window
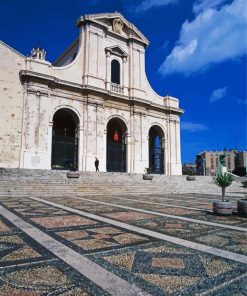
{"x": 115, "y": 72}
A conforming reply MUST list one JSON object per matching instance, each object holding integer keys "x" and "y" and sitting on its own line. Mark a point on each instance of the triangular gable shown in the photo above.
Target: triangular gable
{"x": 116, "y": 50}
{"x": 128, "y": 30}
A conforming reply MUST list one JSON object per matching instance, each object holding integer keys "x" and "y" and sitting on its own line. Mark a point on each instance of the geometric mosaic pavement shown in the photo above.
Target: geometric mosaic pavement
{"x": 155, "y": 266}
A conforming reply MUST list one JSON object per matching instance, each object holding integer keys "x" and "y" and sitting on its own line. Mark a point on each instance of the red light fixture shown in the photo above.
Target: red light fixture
{"x": 116, "y": 136}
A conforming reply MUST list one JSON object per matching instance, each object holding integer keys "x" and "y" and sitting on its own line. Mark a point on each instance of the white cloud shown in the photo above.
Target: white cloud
{"x": 202, "y": 5}
{"x": 149, "y": 4}
{"x": 212, "y": 37}
{"x": 192, "y": 127}
{"x": 218, "y": 94}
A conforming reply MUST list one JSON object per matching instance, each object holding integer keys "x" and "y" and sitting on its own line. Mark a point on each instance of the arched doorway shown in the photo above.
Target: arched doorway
{"x": 65, "y": 140}
{"x": 116, "y": 146}
{"x": 156, "y": 150}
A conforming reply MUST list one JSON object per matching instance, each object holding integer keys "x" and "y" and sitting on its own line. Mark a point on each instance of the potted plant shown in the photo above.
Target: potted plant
{"x": 146, "y": 176}
{"x": 242, "y": 206}
{"x": 73, "y": 173}
{"x": 223, "y": 207}
{"x": 190, "y": 172}
{"x": 244, "y": 184}
{"x": 242, "y": 203}
{"x": 190, "y": 176}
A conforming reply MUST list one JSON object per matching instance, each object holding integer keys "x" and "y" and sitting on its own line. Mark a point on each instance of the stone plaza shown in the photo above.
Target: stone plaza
{"x": 117, "y": 234}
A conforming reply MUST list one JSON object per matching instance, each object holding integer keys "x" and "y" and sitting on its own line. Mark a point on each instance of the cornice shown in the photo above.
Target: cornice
{"x": 53, "y": 82}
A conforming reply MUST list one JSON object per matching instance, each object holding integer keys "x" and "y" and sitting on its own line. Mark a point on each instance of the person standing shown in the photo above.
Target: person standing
{"x": 96, "y": 163}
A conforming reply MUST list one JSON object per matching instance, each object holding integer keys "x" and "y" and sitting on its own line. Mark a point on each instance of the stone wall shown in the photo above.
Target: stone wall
{"x": 11, "y": 106}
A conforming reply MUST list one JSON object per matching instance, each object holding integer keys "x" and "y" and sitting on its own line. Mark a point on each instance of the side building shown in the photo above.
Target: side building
{"x": 207, "y": 162}
{"x": 241, "y": 163}
{"x": 94, "y": 101}
{"x": 241, "y": 159}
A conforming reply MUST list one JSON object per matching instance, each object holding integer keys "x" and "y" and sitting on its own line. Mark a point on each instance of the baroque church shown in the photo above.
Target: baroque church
{"x": 93, "y": 101}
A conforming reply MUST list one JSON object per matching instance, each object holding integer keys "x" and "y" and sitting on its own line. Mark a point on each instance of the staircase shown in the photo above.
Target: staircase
{"x": 23, "y": 182}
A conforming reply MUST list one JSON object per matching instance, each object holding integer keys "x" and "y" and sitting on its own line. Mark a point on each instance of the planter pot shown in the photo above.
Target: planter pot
{"x": 222, "y": 208}
{"x": 190, "y": 178}
{"x": 242, "y": 207}
{"x": 73, "y": 175}
{"x": 147, "y": 177}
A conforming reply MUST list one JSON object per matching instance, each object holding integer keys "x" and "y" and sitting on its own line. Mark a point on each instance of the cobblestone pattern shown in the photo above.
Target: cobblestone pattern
{"x": 230, "y": 240}
{"x": 29, "y": 269}
{"x": 159, "y": 268}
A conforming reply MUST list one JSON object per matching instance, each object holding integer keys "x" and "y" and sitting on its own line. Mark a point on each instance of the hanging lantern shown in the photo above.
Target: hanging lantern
{"x": 116, "y": 136}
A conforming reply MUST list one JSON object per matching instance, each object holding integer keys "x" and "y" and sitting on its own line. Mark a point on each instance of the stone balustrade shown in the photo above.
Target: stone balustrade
{"x": 117, "y": 88}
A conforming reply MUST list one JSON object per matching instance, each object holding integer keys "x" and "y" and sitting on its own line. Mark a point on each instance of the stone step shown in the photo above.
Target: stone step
{"x": 52, "y": 183}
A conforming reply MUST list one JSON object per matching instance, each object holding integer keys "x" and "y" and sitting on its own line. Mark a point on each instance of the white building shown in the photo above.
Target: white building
{"x": 95, "y": 100}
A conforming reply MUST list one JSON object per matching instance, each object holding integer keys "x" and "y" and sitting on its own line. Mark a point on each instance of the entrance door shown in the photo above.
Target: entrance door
{"x": 156, "y": 151}
{"x": 64, "y": 140}
{"x": 116, "y": 147}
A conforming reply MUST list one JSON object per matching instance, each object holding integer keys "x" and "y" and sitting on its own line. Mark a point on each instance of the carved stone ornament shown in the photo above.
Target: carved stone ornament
{"x": 117, "y": 25}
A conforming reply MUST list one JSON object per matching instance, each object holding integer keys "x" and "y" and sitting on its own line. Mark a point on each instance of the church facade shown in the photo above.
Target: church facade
{"x": 94, "y": 101}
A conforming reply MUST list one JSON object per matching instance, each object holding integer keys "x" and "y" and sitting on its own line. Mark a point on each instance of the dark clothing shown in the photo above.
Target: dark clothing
{"x": 96, "y": 163}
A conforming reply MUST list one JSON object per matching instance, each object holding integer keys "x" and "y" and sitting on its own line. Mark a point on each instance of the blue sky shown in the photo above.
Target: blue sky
{"x": 197, "y": 53}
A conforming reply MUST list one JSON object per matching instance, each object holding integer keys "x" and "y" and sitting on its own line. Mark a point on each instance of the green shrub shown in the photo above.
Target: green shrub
{"x": 223, "y": 181}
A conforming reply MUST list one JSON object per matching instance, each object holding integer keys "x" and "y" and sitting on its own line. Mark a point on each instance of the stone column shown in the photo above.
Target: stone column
{"x": 147, "y": 166}
{"x": 168, "y": 147}
{"x": 124, "y": 60}
{"x": 131, "y": 142}
{"x": 108, "y": 72}
{"x": 104, "y": 158}
{"x": 128, "y": 140}
{"x": 173, "y": 151}
{"x": 166, "y": 153}
{"x": 80, "y": 147}
{"x": 50, "y": 127}
{"x": 85, "y": 134}
{"x": 23, "y": 128}
{"x": 178, "y": 148}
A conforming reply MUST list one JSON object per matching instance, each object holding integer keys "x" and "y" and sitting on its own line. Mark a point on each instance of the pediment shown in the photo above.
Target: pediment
{"x": 116, "y": 50}
{"x": 115, "y": 23}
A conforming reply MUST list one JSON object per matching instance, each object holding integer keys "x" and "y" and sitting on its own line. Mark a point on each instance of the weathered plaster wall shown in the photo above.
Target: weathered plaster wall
{"x": 40, "y": 107}
{"x": 11, "y": 106}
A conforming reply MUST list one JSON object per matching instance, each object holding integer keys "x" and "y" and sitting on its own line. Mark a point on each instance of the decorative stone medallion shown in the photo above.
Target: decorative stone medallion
{"x": 117, "y": 25}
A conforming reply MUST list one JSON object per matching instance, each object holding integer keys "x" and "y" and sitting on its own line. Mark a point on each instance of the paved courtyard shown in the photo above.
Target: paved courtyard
{"x": 120, "y": 245}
